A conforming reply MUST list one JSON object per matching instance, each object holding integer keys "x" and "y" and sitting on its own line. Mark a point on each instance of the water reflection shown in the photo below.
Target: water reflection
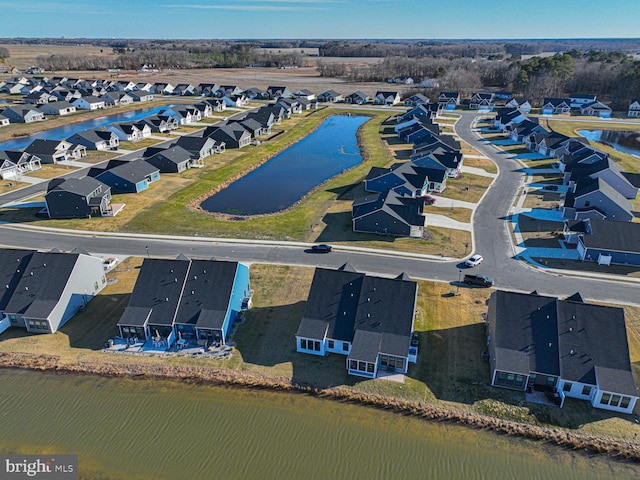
{"x": 627, "y": 142}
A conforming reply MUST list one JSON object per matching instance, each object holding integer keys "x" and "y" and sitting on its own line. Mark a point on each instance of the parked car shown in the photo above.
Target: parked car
{"x": 322, "y": 248}
{"x": 481, "y": 280}
{"x": 474, "y": 260}
{"x": 428, "y": 199}
{"x": 109, "y": 263}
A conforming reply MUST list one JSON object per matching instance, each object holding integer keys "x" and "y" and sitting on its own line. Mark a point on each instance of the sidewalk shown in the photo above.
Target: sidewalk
{"x": 478, "y": 171}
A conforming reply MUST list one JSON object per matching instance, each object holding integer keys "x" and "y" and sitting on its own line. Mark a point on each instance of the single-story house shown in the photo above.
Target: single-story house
{"x": 192, "y": 300}
{"x": 275, "y": 92}
{"x": 449, "y": 100}
{"x": 522, "y": 103}
{"x": 96, "y": 139}
{"x": 112, "y": 99}
{"x": 596, "y": 109}
{"x": 49, "y": 151}
{"x": 389, "y": 213}
{"x": 386, "y": 98}
{"x": 78, "y": 198}
{"x": 232, "y": 135}
{"x": 555, "y": 106}
{"x": 330, "y": 96}
{"x": 57, "y": 108}
{"x": 88, "y": 103}
{"x": 174, "y": 159}
{"x": 482, "y": 101}
{"x": 560, "y": 348}
{"x": 595, "y": 198}
{"x": 16, "y": 162}
{"x": 415, "y": 100}
{"x": 199, "y": 147}
{"x": 4, "y": 121}
{"x": 44, "y": 290}
{"x": 610, "y": 242}
{"x": 369, "y": 319}
{"x": 161, "y": 124}
{"x": 356, "y": 98}
{"x": 128, "y": 176}
{"x": 22, "y": 114}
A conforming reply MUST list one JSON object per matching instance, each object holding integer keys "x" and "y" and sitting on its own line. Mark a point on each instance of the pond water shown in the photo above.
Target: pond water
{"x": 123, "y": 428}
{"x": 627, "y": 142}
{"x": 65, "y": 131}
{"x": 283, "y": 180}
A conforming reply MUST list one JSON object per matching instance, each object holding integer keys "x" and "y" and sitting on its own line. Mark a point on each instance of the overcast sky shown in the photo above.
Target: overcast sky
{"x": 220, "y": 19}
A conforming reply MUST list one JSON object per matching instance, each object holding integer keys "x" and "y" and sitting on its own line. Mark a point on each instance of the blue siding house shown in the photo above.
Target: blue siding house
{"x": 128, "y": 177}
{"x": 185, "y": 300}
{"x": 610, "y": 242}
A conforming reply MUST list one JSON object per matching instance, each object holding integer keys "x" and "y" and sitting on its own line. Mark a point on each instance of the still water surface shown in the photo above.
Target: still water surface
{"x": 627, "y": 142}
{"x": 287, "y": 177}
{"x": 65, "y": 131}
{"x": 139, "y": 429}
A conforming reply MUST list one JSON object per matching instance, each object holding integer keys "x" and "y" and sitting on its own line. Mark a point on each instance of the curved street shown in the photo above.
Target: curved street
{"x": 491, "y": 232}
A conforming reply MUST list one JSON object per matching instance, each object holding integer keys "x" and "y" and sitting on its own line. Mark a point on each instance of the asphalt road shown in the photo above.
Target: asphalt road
{"x": 492, "y": 240}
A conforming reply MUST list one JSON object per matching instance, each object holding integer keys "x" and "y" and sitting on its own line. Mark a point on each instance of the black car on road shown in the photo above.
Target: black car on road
{"x": 480, "y": 280}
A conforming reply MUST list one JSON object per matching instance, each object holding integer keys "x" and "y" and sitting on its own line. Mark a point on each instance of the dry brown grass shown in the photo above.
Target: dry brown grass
{"x": 469, "y": 188}
{"x": 541, "y": 200}
{"x": 483, "y": 163}
{"x": 459, "y": 214}
{"x": 23, "y": 56}
{"x": 51, "y": 170}
{"x": 10, "y": 185}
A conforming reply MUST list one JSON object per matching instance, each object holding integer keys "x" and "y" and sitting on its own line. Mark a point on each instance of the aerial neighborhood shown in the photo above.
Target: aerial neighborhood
{"x": 550, "y": 348}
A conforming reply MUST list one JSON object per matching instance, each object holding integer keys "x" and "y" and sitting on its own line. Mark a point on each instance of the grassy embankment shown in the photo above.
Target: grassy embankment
{"x": 449, "y": 374}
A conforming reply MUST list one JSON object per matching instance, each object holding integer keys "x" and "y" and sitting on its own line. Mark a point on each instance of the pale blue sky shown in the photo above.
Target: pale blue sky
{"x": 426, "y": 19}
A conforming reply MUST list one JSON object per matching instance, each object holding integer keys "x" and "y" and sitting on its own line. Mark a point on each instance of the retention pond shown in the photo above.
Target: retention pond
{"x": 626, "y": 142}
{"x": 283, "y": 180}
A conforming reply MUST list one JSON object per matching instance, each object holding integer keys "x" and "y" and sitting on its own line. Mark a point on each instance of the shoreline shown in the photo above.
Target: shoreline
{"x": 589, "y": 444}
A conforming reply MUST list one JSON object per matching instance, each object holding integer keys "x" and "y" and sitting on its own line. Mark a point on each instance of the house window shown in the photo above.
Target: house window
{"x": 362, "y": 366}
{"x": 567, "y": 387}
{"x": 303, "y": 344}
{"x": 519, "y": 381}
{"x": 353, "y": 365}
{"x": 384, "y": 360}
{"x": 370, "y": 367}
{"x": 605, "y": 398}
{"x": 625, "y": 402}
{"x": 510, "y": 379}
{"x": 400, "y": 363}
{"x": 95, "y": 285}
{"x": 502, "y": 377}
{"x": 331, "y": 344}
{"x": 615, "y": 400}
{"x": 551, "y": 381}
{"x": 345, "y": 346}
{"x": 316, "y": 346}
{"x": 586, "y": 390}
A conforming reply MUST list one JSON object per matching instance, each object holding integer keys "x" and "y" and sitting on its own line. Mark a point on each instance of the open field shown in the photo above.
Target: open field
{"x": 23, "y": 56}
{"x": 449, "y": 372}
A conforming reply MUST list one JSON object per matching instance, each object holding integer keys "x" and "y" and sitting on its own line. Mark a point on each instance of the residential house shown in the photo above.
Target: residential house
{"x": 415, "y": 100}
{"x": 522, "y": 103}
{"x": 507, "y": 117}
{"x": 596, "y": 109}
{"x": 276, "y": 92}
{"x": 22, "y": 114}
{"x": 205, "y": 109}
{"x": 560, "y": 348}
{"x": 199, "y": 147}
{"x": 45, "y": 289}
{"x": 449, "y": 100}
{"x": 4, "y": 121}
{"x": 386, "y": 98}
{"x": 524, "y": 130}
{"x": 597, "y": 165}
{"x": 578, "y": 100}
{"x": 555, "y": 106}
{"x": 239, "y": 101}
{"x": 482, "y": 101}
{"x": 356, "y": 98}
{"x": 126, "y": 132}
{"x": 78, "y": 198}
{"x": 217, "y": 105}
{"x": 140, "y": 95}
{"x": 253, "y": 92}
{"x": 127, "y": 176}
{"x": 228, "y": 91}
{"x": 610, "y": 242}
{"x": 161, "y": 124}
{"x": 232, "y": 135}
{"x": 184, "y": 89}
{"x": 49, "y": 151}
{"x": 174, "y": 159}
{"x": 39, "y": 97}
{"x": 330, "y": 96}
{"x": 96, "y": 139}
{"x": 15, "y": 162}
{"x": 634, "y": 108}
{"x": 595, "y": 198}
{"x": 162, "y": 88}
{"x": 367, "y": 318}
{"x": 389, "y": 213}
{"x": 88, "y": 103}
{"x": 57, "y": 108}
{"x": 114, "y": 99}
{"x": 207, "y": 89}
{"x": 191, "y": 300}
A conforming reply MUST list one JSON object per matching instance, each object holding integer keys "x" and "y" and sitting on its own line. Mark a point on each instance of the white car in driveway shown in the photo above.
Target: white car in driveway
{"x": 474, "y": 260}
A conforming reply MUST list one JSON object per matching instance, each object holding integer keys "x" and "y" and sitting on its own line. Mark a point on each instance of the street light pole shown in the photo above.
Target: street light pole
{"x": 147, "y": 247}
{"x": 459, "y": 282}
